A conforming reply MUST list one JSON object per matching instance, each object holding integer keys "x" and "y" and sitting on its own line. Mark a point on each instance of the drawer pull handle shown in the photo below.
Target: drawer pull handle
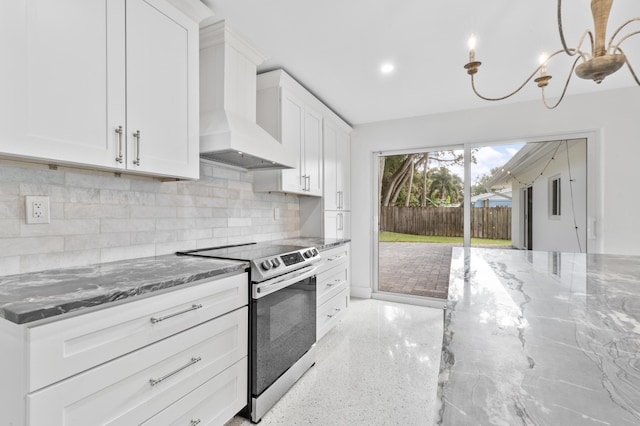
{"x": 332, "y": 283}
{"x": 192, "y": 308}
{"x": 336, "y": 257}
{"x": 335, "y": 312}
{"x": 136, "y": 135}
{"x": 120, "y": 157}
{"x": 194, "y": 422}
{"x": 193, "y": 361}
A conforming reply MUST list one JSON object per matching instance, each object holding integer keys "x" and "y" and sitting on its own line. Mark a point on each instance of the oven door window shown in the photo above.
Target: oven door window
{"x": 284, "y": 330}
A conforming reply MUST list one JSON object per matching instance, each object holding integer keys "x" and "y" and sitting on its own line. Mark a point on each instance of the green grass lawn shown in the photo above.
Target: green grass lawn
{"x": 392, "y": 237}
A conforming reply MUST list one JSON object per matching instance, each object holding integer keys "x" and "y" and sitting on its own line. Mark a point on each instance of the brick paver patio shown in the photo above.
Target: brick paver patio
{"x": 419, "y": 269}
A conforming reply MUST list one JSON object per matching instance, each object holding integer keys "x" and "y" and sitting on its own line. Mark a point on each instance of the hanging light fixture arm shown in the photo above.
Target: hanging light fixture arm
{"x": 564, "y": 90}
{"x": 566, "y": 49}
{"x": 615, "y": 34}
{"x": 617, "y": 46}
{"x": 473, "y": 86}
{"x": 472, "y": 68}
{"x": 631, "y": 70}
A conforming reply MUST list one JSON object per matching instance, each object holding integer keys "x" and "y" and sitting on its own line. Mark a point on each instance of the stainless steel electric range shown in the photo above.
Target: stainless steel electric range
{"x": 282, "y": 316}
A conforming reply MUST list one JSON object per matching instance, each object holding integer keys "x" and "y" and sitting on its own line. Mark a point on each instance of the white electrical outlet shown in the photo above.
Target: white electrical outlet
{"x": 276, "y": 213}
{"x": 37, "y": 209}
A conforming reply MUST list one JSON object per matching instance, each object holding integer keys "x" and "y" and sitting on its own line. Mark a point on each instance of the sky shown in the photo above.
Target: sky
{"x": 487, "y": 158}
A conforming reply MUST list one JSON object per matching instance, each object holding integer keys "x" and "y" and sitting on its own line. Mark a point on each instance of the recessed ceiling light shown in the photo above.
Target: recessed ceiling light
{"x": 387, "y": 68}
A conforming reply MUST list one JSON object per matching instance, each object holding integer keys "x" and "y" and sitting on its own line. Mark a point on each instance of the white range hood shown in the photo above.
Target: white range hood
{"x": 228, "y": 130}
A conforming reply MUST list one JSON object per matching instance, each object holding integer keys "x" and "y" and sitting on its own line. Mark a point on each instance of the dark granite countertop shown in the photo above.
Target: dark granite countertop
{"x": 318, "y": 242}
{"x": 541, "y": 338}
{"x": 34, "y": 296}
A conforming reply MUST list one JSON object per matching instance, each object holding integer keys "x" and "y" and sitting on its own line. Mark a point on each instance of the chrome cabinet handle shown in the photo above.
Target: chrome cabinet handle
{"x": 335, "y": 312}
{"x": 192, "y": 308}
{"x": 137, "y": 136}
{"x": 336, "y": 257}
{"x": 340, "y": 222}
{"x": 194, "y": 422}
{"x": 193, "y": 361}
{"x": 340, "y": 200}
{"x": 119, "y": 158}
{"x": 332, "y": 283}
{"x": 309, "y": 183}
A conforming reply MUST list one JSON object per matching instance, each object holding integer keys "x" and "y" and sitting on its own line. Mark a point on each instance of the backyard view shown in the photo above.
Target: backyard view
{"x": 421, "y": 218}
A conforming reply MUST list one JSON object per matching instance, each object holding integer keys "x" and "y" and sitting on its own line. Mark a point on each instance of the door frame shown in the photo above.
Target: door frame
{"x": 375, "y": 158}
{"x": 527, "y": 217}
{"x": 595, "y": 196}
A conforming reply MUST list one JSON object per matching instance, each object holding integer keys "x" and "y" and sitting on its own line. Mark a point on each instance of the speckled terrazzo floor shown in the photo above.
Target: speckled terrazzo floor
{"x": 379, "y": 366}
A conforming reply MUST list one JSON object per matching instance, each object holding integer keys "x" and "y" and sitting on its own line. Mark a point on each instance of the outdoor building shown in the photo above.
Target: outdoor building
{"x": 499, "y": 198}
{"x": 548, "y": 181}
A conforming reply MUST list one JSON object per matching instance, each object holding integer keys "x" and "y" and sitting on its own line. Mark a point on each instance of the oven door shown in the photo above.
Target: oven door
{"x": 283, "y": 326}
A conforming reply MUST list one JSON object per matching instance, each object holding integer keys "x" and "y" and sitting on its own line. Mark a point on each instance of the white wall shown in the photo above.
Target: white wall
{"x": 100, "y": 217}
{"x": 555, "y": 233}
{"x": 610, "y": 118}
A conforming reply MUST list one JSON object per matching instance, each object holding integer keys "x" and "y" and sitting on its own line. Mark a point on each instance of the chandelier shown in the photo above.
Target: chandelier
{"x": 602, "y": 61}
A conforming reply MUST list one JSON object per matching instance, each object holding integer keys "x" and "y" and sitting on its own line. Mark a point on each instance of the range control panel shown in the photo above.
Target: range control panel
{"x": 272, "y": 266}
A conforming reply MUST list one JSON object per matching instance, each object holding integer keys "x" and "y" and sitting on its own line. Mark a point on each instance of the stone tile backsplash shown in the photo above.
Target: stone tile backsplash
{"x": 101, "y": 217}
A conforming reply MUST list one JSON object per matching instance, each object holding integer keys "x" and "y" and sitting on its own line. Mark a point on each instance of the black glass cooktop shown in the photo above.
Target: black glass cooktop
{"x": 247, "y": 252}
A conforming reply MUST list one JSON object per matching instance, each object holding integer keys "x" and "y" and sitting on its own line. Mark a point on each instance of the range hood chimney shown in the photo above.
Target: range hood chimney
{"x": 228, "y": 130}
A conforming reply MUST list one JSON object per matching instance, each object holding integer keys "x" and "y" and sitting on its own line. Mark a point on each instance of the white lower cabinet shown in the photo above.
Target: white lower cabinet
{"x": 333, "y": 281}
{"x": 61, "y": 349}
{"x": 331, "y": 313}
{"x": 154, "y": 360}
{"x": 131, "y": 389}
{"x": 213, "y": 403}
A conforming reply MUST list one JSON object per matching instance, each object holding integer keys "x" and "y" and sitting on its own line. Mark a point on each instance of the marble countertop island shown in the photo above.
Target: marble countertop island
{"x": 38, "y": 295}
{"x": 541, "y": 338}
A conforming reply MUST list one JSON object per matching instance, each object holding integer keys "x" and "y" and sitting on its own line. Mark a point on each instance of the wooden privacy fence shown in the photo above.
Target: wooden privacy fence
{"x": 486, "y": 222}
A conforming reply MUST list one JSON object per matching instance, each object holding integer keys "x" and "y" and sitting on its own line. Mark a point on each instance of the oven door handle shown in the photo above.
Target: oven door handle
{"x": 267, "y": 287}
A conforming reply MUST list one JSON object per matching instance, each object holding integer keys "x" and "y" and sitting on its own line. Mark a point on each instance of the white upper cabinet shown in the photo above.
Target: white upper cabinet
{"x": 82, "y": 77}
{"x": 336, "y": 142}
{"x": 313, "y": 151}
{"x": 285, "y": 109}
{"x": 292, "y": 137}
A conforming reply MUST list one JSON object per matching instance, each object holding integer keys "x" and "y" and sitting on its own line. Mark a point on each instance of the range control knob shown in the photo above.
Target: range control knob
{"x": 314, "y": 251}
{"x": 276, "y": 262}
{"x": 266, "y": 265}
{"x": 308, "y": 254}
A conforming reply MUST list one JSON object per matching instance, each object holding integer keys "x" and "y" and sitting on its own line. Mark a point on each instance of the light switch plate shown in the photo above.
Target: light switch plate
{"x": 37, "y": 209}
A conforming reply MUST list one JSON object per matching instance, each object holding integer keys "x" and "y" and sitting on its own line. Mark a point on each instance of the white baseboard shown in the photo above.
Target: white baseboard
{"x": 430, "y": 302}
{"x": 360, "y": 292}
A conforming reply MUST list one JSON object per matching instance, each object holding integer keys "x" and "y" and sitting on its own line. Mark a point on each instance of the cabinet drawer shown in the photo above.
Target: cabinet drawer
{"x": 213, "y": 403}
{"x": 69, "y": 346}
{"x": 331, "y": 312}
{"x": 334, "y": 257}
{"x": 329, "y": 283}
{"x": 122, "y": 392}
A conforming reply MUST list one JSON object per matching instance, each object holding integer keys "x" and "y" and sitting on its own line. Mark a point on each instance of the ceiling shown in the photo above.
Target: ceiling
{"x": 335, "y": 49}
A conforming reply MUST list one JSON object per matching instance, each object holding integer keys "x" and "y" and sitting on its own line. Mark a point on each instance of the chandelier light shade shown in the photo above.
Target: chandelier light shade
{"x": 603, "y": 59}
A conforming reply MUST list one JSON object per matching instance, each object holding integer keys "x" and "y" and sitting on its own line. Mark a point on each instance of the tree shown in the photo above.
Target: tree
{"x": 406, "y": 180}
{"x": 398, "y": 178}
{"x": 480, "y": 185}
{"x": 446, "y": 186}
